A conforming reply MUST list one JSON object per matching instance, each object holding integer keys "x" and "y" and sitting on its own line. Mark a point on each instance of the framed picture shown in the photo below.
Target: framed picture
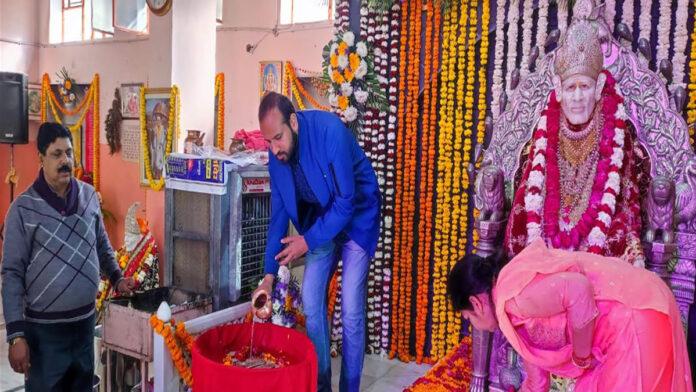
{"x": 130, "y": 100}
{"x": 270, "y": 76}
{"x": 34, "y": 101}
{"x": 157, "y": 126}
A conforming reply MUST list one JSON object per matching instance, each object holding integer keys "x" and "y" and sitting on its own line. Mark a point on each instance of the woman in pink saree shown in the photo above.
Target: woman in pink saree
{"x": 598, "y": 320}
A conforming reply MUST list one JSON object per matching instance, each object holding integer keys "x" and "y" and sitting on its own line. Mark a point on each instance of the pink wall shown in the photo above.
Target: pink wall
{"x": 128, "y": 62}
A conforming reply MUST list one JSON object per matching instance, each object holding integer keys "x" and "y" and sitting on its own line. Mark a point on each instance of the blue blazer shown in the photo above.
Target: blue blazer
{"x": 342, "y": 179}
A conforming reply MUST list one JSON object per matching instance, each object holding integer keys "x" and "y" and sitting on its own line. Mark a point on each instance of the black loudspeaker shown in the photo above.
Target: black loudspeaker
{"x": 14, "y": 116}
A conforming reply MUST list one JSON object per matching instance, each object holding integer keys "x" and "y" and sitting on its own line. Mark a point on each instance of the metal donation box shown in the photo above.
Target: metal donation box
{"x": 216, "y": 224}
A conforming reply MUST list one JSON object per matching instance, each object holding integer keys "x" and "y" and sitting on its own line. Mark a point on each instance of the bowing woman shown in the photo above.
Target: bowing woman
{"x": 598, "y": 320}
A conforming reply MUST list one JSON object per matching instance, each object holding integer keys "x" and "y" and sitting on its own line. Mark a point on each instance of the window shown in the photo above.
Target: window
{"x": 305, "y": 11}
{"x": 85, "y": 20}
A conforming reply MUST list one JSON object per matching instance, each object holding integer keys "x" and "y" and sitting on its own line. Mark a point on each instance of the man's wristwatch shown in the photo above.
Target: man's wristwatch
{"x": 14, "y": 341}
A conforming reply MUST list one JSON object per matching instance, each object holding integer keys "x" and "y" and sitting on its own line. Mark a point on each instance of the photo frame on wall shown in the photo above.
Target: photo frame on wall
{"x": 157, "y": 112}
{"x": 130, "y": 100}
{"x": 34, "y": 101}
{"x": 270, "y": 76}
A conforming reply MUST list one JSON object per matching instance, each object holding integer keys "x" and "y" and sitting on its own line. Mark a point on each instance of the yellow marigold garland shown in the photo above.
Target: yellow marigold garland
{"x": 173, "y": 115}
{"x": 220, "y": 95}
{"x": 691, "y": 105}
{"x": 297, "y": 86}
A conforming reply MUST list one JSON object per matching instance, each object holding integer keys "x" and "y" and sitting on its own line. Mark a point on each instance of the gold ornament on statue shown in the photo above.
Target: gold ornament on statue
{"x": 581, "y": 52}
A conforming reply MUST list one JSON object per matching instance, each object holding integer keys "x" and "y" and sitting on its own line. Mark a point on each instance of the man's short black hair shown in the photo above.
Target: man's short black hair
{"x": 48, "y": 133}
{"x": 272, "y": 100}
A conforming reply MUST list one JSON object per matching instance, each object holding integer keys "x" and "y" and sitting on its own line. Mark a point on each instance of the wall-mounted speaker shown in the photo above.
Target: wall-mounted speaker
{"x": 14, "y": 119}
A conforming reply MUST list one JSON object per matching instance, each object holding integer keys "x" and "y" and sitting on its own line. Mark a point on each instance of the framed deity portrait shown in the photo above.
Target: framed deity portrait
{"x": 156, "y": 121}
{"x": 270, "y": 76}
{"x": 130, "y": 100}
{"x": 34, "y": 101}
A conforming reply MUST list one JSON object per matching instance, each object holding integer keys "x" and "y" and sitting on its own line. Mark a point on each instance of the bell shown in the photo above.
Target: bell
{"x": 552, "y": 37}
{"x": 644, "y": 47}
{"x": 624, "y": 32}
{"x": 666, "y": 69}
{"x": 503, "y": 101}
{"x": 514, "y": 79}
{"x": 533, "y": 57}
{"x": 679, "y": 98}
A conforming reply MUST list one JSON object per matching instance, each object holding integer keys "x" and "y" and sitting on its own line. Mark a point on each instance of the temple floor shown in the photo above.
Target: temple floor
{"x": 382, "y": 375}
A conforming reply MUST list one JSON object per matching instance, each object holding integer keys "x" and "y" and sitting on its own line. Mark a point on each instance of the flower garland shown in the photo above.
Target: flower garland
{"x": 341, "y": 16}
{"x": 627, "y": 15}
{"x": 645, "y": 19}
{"x": 390, "y": 168}
{"x": 542, "y": 27}
{"x": 220, "y": 97}
{"x": 513, "y": 21}
{"x": 296, "y": 86}
{"x": 47, "y": 82}
{"x": 451, "y": 374}
{"x": 173, "y": 115}
{"x": 481, "y": 124}
{"x": 177, "y": 355}
{"x": 444, "y": 183}
{"x": 96, "y": 181}
{"x": 595, "y": 221}
{"x": 527, "y": 23}
{"x": 663, "y": 30}
{"x": 562, "y": 17}
{"x": 691, "y": 105}
{"x": 681, "y": 35}
{"x": 499, "y": 56}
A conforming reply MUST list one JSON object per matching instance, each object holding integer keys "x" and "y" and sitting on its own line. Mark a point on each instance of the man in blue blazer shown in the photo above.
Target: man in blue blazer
{"x": 322, "y": 182}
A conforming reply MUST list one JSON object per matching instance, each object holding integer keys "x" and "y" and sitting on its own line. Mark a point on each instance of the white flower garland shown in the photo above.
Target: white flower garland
{"x": 681, "y": 36}
{"x": 341, "y": 16}
{"x": 497, "y": 87}
{"x": 663, "y": 29}
{"x": 542, "y": 26}
{"x": 527, "y": 24}
{"x": 627, "y": 14}
{"x": 610, "y": 13}
{"x": 513, "y": 22}
{"x": 645, "y": 20}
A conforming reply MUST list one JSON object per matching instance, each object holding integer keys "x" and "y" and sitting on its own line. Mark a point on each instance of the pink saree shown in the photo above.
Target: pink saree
{"x": 638, "y": 343}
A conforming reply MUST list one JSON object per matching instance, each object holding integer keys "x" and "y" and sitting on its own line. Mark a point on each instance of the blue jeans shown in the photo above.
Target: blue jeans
{"x": 319, "y": 267}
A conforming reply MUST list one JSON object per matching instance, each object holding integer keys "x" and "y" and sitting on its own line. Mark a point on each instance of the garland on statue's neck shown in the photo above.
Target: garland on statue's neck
{"x": 595, "y": 221}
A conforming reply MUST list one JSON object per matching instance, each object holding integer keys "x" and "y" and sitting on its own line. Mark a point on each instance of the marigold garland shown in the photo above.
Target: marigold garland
{"x": 450, "y": 374}
{"x": 174, "y": 111}
{"x": 691, "y": 105}
{"x": 220, "y": 96}
{"x": 297, "y": 86}
{"x": 177, "y": 355}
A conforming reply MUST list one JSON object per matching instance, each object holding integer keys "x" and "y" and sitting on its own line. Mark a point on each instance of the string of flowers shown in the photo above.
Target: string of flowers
{"x": 427, "y": 172}
{"x": 341, "y": 16}
{"x": 96, "y": 180}
{"x": 627, "y": 13}
{"x": 513, "y": 21}
{"x": 220, "y": 97}
{"x": 451, "y": 374}
{"x": 45, "y": 80}
{"x": 398, "y": 270}
{"x": 691, "y": 105}
{"x": 163, "y": 329}
{"x": 444, "y": 183}
{"x": 173, "y": 116}
{"x": 286, "y": 84}
{"x": 297, "y": 86}
{"x": 663, "y": 30}
{"x": 645, "y": 19}
{"x": 681, "y": 35}
{"x": 78, "y": 124}
{"x": 542, "y": 27}
{"x": 562, "y": 17}
{"x": 499, "y": 56}
{"x": 481, "y": 121}
{"x": 527, "y": 24}
{"x": 390, "y": 182}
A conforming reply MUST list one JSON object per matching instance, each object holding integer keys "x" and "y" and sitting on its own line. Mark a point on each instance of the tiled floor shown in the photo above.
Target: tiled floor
{"x": 381, "y": 375}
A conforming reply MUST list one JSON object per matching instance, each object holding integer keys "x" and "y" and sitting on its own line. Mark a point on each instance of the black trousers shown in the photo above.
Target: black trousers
{"x": 61, "y": 356}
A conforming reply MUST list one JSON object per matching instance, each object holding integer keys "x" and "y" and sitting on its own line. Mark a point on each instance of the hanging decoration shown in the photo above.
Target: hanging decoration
{"x": 220, "y": 112}
{"x": 513, "y": 22}
{"x": 499, "y": 56}
{"x": 681, "y": 35}
{"x": 645, "y": 19}
{"x": 663, "y": 30}
{"x": 627, "y": 14}
{"x": 164, "y": 329}
{"x": 298, "y": 89}
{"x": 173, "y": 120}
{"x": 354, "y": 86}
{"x": 527, "y": 24}
{"x": 88, "y": 108}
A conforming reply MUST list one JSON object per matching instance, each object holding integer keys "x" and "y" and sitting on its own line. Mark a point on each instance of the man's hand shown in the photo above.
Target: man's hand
{"x": 19, "y": 357}
{"x": 297, "y": 246}
{"x": 126, "y": 286}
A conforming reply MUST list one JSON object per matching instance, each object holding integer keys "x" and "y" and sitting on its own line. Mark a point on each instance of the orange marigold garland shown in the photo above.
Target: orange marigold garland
{"x": 450, "y": 374}
{"x": 165, "y": 330}
{"x": 296, "y": 84}
{"x": 220, "y": 115}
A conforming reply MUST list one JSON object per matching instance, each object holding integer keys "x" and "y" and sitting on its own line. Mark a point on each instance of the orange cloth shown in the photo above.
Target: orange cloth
{"x": 637, "y": 313}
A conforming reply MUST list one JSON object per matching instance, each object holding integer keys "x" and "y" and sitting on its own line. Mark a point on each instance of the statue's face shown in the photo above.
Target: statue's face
{"x": 578, "y": 97}
{"x": 661, "y": 191}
